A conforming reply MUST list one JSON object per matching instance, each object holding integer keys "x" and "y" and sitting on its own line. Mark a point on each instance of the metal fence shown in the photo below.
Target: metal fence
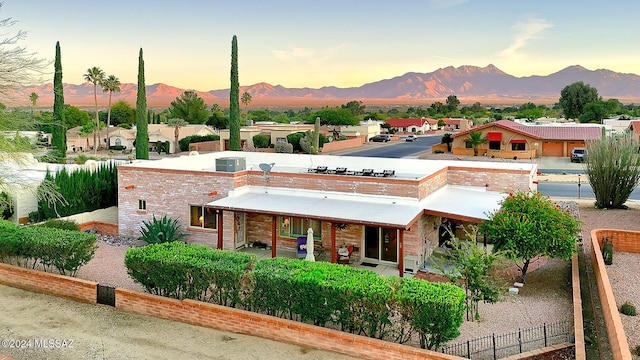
{"x": 503, "y": 345}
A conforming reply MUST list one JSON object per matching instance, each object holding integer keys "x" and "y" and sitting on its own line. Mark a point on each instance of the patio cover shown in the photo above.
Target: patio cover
{"x": 464, "y": 202}
{"x": 381, "y": 211}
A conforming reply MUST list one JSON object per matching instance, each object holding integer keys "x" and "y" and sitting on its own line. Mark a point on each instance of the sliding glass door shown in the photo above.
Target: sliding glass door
{"x": 381, "y": 244}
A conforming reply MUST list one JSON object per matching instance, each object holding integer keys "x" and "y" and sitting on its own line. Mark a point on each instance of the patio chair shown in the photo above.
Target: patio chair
{"x": 344, "y": 254}
{"x": 302, "y": 247}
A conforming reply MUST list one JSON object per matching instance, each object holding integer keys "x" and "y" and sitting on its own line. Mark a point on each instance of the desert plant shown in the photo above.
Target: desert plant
{"x": 163, "y": 230}
{"x": 282, "y": 147}
{"x": 628, "y": 309}
{"x": 607, "y": 251}
{"x": 6, "y": 205}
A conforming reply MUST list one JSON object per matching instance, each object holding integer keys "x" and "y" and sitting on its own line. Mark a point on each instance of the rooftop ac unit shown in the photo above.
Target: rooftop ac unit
{"x": 231, "y": 164}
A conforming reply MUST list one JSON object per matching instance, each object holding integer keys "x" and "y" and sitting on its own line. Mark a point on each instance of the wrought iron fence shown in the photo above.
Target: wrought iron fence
{"x": 503, "y": 345}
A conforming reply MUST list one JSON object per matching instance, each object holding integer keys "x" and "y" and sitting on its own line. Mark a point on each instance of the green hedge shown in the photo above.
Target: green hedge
{"x": 321, "y": 293}
{"x": 184, "y": 142}
{"x": 184, "y": 271}
{"x": 30, "y": 246}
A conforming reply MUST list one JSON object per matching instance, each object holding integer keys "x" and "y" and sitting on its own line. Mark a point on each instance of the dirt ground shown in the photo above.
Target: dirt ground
{"x": 73, "y": 330}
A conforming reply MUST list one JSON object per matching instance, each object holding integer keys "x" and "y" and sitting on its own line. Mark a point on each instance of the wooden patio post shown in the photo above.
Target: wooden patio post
{"x": 401, "y": 254}
{"x": 220, "y": 230}
{"x": 274, "y": 228}
{"x": 333, "y": 244}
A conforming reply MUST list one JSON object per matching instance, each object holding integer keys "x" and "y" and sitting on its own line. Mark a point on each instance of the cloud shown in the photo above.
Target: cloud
{"x": 441, "y": 4}
{"x": 446, "y": 58}
{"x": 294, "y": 53}
{"x": 523, "y": 32}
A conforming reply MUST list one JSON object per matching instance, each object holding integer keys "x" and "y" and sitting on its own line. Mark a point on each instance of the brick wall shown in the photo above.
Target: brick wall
{"x": 343, "y": 144}
{"x": 578, "y": 321}
{"x": 282, "y": 330}
{"x": 493, "y": 180}
{"x": 47, "y": 283}
{"x": 102, "y": 227}
{"x": 622, "y": 241}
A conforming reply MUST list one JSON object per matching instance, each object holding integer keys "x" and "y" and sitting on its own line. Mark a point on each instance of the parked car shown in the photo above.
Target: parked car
{"x": 578, "y": 154}
{"x": 381, "y": 138}
{"x": 411, "y": 138}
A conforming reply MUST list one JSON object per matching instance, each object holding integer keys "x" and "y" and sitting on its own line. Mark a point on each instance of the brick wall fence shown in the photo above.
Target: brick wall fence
{"x": 625, "y": 241}
{"x": 229, "y": 319}
{"x": 343, "y": 144}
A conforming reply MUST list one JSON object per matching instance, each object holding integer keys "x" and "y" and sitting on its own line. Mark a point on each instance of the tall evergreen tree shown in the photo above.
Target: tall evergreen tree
{"x": 142, "y": 132}
{"x": 234, "y": 100}
{"x": 58, "y": 132}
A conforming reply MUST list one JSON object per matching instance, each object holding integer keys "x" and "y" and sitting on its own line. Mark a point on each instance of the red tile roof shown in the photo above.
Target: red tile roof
{"x": 544, "y": 132}
{"x": 410, "y": 122}
{"x": 634, "y": 125}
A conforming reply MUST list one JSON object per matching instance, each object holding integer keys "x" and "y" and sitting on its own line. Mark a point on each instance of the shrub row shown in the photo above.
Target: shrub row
{"x": 83, "y": 190}
{"x": 183, "y": 271}
{"x": 321, "y": 293}
{"x": 30, "y": 246}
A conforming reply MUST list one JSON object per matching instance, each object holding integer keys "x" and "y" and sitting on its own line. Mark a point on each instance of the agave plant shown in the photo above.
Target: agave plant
{"x": 162, "y": 230}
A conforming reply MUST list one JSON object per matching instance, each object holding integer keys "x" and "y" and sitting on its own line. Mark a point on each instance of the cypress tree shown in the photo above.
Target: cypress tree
{"x": 234, "y": 100}
{"x": 142, "y": 132}
{"x": 58, "y": 130}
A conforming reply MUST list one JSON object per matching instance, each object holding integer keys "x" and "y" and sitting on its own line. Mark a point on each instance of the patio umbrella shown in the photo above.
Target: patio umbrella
{"x": 310, "y": 256}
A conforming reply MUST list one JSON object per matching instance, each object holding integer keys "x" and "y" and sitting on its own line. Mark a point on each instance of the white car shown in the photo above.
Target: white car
{"x": 411, "y": 138}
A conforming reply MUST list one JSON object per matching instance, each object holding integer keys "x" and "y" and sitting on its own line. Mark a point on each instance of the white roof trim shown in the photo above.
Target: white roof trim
{"x": 467, "y": 201}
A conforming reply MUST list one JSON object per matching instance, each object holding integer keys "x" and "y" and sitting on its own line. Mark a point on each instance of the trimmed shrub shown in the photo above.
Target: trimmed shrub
{"x": 261, "y": 141}
{"x": 31, "y": 246}
{"x": 61, "y": 224}
{"x": 285, "y": 148}
{"x": 628, "y": 309}
{"x": 188, "y": 271}
{"x": 163, "y": 230}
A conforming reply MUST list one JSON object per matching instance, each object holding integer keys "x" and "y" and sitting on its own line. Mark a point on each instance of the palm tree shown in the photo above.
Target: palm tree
{"x": 34, "y": 100}
{"x": 95, "y": 75}
{"x": 475, "y": 138}
{"x": 111, "y": 84}
{"x": 246, "y": 98}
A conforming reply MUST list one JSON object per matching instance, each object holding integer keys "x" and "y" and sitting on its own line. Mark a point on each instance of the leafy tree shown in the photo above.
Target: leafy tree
{"x": 122, "y": 113}
{"x": 111, "y": 84}
{"x": 447, "y": 139}
{"x": 612, "y": 168}
{"x": 574, "y": 97}
{"x": 18, "y": 66}
{"x": 475, "y": 139}
{"x": 530, "y": 111}
{"x": 73, "y": 117}
{"x": 142, "y": 132}
{"x": 436, "y": 108}
{"x": 355, "y": 107}
{"x": 218, "y": 119}
{"x": 594, "y": 112}
{"x": 59, "y": 131}
{"x": 472, "y": 269}
{"x": 260, "y": 115}
{"x": 452, "y": 103}
{"x": 234, "y": 100}
{"x": 373, "y": 115}
{"x": 334, "y": 116}
{"x": 529, "y": 225}
{"x": 189, "y": 107}
{"x": 95, "y": 75}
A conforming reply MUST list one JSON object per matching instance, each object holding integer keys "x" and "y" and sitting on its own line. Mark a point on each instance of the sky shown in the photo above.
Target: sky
{"x": 297, "y": 43}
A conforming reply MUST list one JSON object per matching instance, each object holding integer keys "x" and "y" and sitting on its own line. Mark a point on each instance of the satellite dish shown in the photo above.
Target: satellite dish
{"x": 266, "y": 167}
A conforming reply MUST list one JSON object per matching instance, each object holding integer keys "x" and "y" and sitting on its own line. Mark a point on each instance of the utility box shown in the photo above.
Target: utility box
{"x": 231, "y": 164}
{"x": 411, "y": 264}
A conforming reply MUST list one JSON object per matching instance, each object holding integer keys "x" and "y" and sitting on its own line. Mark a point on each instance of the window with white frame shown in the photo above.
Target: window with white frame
{"x": 202, "y": 217}
{"x": 294, "y": 227}
{"x": 142, "y": 205}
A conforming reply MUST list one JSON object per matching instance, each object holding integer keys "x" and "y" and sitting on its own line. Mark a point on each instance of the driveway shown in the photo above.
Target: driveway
{"x": 552, "y": 164}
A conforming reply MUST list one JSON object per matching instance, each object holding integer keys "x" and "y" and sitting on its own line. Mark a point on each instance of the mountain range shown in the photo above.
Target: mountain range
{"x": 488, "y": 85}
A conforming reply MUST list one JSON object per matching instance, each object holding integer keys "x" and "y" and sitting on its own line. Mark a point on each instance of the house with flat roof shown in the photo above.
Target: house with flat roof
{"x": 508, "y": 139}
{"x": 387, "y": 210}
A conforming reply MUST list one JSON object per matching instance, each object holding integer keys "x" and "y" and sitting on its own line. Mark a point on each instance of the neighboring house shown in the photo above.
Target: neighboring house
{"x": 413, "y": 125}
{"x": 507, "y": 139}
{"x": 634, "y": 129}
{"x": 456, "y": 124}
{"x": 126, "y": 137}
{"x": 277, "y": 133}
{"x": 390, "y": 214}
